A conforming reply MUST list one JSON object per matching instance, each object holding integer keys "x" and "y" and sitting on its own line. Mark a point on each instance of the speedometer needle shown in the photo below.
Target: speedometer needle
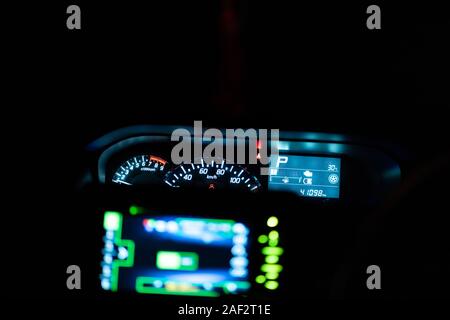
{"x": 119, "y": 181}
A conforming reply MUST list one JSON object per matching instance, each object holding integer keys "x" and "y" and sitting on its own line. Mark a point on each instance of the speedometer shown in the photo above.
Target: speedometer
{"x": 140, "y": 170}
{"x": 212, "y": 175}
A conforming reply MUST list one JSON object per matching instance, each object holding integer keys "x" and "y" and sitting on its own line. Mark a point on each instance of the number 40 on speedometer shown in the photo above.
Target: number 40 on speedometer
{"x": 212, "y": 175}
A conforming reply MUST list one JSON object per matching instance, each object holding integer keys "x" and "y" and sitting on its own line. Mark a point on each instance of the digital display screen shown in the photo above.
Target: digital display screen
{"x": 317, "y": 177}
{"x": 174, "y": 255}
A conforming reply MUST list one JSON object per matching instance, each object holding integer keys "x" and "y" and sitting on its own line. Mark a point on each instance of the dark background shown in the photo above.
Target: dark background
{"x": 133, "y": 63}
{"x": 304, "y": 66}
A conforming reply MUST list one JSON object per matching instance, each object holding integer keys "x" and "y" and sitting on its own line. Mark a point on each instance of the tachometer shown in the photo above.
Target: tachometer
{"x": 140, "y": 170}
{"x": 212, "y": 175}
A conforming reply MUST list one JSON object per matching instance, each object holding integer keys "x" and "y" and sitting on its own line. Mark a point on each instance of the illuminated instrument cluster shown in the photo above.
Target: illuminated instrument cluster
{"x": 310, "y": 165}
{"x": 210, "y": 250}
{"x": 306, "y": 176}
{"x": 144, "y": 170}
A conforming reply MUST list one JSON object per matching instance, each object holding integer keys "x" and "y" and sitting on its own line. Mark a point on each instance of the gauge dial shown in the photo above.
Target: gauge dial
{"x": 140, "y": 170}
{"x": 212, "y": 176}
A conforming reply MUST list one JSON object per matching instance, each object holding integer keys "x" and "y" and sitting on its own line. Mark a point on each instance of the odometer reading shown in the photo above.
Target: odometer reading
{"x": 307, "y": 176}
{"x": 212, "y": 176}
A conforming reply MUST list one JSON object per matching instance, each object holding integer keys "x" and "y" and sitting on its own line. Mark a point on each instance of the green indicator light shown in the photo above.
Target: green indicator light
{"x": 276, "y": 251}
{"x": 144, "y": 285}
{"x": 260, "y": 279}
{"x": 134, "y": 210}
{"x": 271, "y": 285}
{"x": 174, "y": 260}
{"x": 271, "y": 268}
{"x": 272, "y": 222}
{"x": 272, "y": 275}
{"x": 112, "y": 220}
{"x": 262, "y": 239}
{"x": 272, "y": 259}
{"x": 273, "y": 235}
{"x": 273, "y": 243}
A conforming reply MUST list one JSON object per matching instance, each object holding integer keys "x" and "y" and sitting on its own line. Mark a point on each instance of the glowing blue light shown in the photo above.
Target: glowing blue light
{"x": 240, "y": 228}
{"x": 208, "y": 286}
{"x": 172, "y": 226}
{"x": 106, "y": 284}
{"x": 238, "y": 250}
{"x": 148, "y": 225}
{"x": 160, "y": 226}
{"x": 207, "y": 238}
{"x": 212, "y": 227}
{"x": 283, "y": 145}
{"x": 193, "y": 228}
{"x": 239, "y": 239}
{"x": 310, "y": 145}
{"x": 123, "y": 253}
{"x": 106, "y": 271}
{"x": 238, "y": 272}
{"x": 238, "y": 262}
{"x": 157, "y": 284}
{"x": 231, "y": 286}
{"x": 186, "y": 261}
{"x": 110, "y": 235}
{"x": 198, "y": 278}
{"x": 335, "y": 148}
{"x": 108, "y": 258}
{"x": 109, "y": 245}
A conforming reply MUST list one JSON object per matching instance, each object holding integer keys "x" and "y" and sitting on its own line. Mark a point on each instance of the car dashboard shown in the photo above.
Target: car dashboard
{"x": 210, "y": 225}
{"x": 320, "y": 166}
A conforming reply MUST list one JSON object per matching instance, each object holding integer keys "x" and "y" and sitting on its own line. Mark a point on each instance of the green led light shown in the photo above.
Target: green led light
{"x": 112, "y": 220}
{"x": 143, "y": 285}
{"x": 271, "y": 268}
{"x": 276, "y": 251}
{"x": 175, "y": 260}
{"x": 273, "y": 235}
{"x": 272, "y": 259}
{"x": 273, "y": 243}
{"x": 262, "y": 239}
{"x": 271, "y": 285}
{"x": 260, "y": 279}
{"x": 134, "y": 210}
{"x": 272, "y": 222}
{"x": 272, "y": 275}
